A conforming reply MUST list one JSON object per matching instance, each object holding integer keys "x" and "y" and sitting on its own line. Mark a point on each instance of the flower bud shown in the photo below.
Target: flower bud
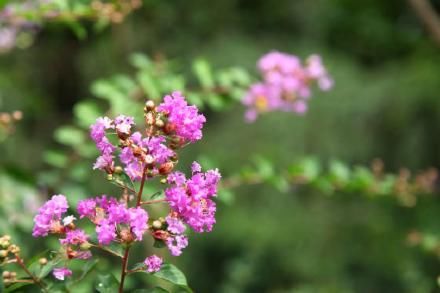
{"x": 163, "y": 180}
{"x": 85, "y": 246}
{"x": 169, "y": 128}
{"x": 160, "y": 234}
{"x": 17, "y": 115}
{"x": 3, "y": 253}
{"x": 119, "y": 170}
{"x": 109, "y": 177}
{"x": 149, "y": 118}
{"x": 14, "y": 249}
{"x": 6, "y": 275}
{"x": 126, "y": 236}
{"x": 149, "y": 105}
{"x": 157, "y": 224}
{"x": 166, "y": 168}
{"x": 42, "y": 261}
{"x": 159, "y": 123}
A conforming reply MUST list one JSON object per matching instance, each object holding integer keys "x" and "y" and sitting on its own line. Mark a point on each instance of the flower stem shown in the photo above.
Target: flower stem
{"x": 124, "y": 269}
{"x": 141, "y": 189}
{"x": 33, "y": 277}
{"x": 127, "y": 249}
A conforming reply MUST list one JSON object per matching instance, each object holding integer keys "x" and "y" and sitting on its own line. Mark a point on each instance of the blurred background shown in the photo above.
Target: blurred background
{"x": 385, "y": 104}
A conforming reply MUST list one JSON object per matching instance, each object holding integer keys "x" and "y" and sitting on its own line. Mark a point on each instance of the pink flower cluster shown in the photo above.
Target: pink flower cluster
{"x": 49, "y": 221}
{"x": 286, "y": 84}
{"x": 153, "y": 263}
{"x": 171, "y": 124}
{"x": 191, "y": 198}
{"x": 114, "y": 220}
{"x": 184, "y": 120}
{"x": 49, "y": 216}
{"x": 169, "y": 127}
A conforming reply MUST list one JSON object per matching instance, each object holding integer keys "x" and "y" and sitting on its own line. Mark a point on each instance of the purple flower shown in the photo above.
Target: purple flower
{"x": 153, "y": 263}
{"x": 124, "y": 124}
{"x": 97, "y": 130}
{"x": 138, "y": 219}
{"x": 185, "y": 120}
{"x": 286, "y": 84}
{"x": 117, "y": 213}
{"x": 75, "y": 237}
{"x": 86, "y": 208}
{"x": 176, "y": 243}
{"x": 106, "y": 232}
{"x": 50, "y": 213}
{"x": 97, "y": 133}
{"x": 191, "y": 198}
{"x": 61, "y": 273}
{"x": 175, "y": 225}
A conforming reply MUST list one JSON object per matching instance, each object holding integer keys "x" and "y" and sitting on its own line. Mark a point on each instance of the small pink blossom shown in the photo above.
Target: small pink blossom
{"x": 49, "y": 214}
{"x": 185, "y": 119}
{"x": 153, "y": 263}
{"x": 61, "y": 273}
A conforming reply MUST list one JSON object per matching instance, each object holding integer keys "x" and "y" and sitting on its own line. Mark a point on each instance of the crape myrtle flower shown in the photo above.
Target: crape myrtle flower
{"x": 108, "y": 213}
{"x": 142, "y": 155}
{"x": 153, "y": 263}
{"x": 286, "y": 84}
{"x": 61, "y": 273}
{"x": 191, "y": 198}
{"x": 184, "y": 120}
{"x": 48, "y": 219}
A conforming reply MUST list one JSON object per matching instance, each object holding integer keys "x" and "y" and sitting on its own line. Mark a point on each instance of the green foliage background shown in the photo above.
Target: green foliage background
{"x": 385, "y": 104}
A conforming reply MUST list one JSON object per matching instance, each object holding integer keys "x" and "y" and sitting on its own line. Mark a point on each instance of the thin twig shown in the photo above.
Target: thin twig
{"x": 153, "y": 201}
{"x": 33, "y": 277}
{"x": 427, "y": 14}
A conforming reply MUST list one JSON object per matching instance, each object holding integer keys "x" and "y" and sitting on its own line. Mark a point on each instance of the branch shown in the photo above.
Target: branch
{"x": 429, "y": 17}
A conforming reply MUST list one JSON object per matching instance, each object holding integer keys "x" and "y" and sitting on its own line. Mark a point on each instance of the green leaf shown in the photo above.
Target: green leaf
{"x": 122, "y": 180}
{"x": 151, "y": 290}
{"x": 307, "y": 169}
{"x": 55, "y": 158}
{"x": 16, "y": 286}
{"x": 149, "y": 85}
{"x": 171, "y": 274}
{"x": 159, "y": 243}
{"x": 279, "y": 182}
{"x": 141, "y": 61}
{"x": 226, "y": 196}
{"x": 107, "y": 284}
{"x": 157, "y": 195}
{"x": 264, "y": 167}
{"x": 33, "y": 263}
{"x": 215, "y": 101}
{"x": 339, "y": 172}
{"x": 241, "y": 76}
{"x": 195, "y": 99}
{"x": 86, "y": 269}
{"x": 47, "y": 268}
{"x": 203, "y": 72}
{"x": 78, "y": 29}
{"x": 86, "y": 113}
{"x": 69, "y": 135}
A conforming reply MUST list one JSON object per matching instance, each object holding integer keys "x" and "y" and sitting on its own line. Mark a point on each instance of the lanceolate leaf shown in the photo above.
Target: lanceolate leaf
{"x": 172, "y": 274}
{"x": 107, "y": 284}
{"x": 151, "y": 290}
